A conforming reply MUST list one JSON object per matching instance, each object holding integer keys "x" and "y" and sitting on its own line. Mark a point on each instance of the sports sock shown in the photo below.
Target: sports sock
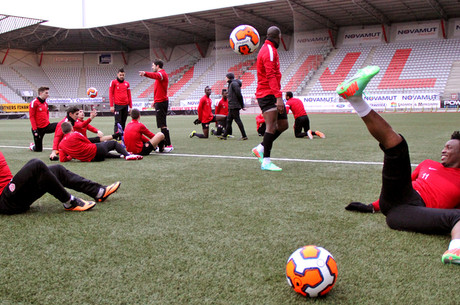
{"x": 260, "y": 147}
{"x": 454, "y": 244}
{"x": 100, "y": 192}
{"x": 67, "y": 204}
{"x": 358, "y": 103}
{"x": 266, "y": 161}
{"x": 268, "y": 143}
{"x": 165, "y": 131}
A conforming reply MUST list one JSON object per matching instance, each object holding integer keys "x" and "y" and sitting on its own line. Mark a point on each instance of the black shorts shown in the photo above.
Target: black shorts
{"x": 206, "y": 125}
{"x": 269, "y": 102}
{"x": 147, "y": 148}
{"x": 161, "y": 109}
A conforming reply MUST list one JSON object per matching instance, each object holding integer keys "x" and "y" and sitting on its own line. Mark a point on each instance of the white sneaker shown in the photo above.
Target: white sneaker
{"x": 168, "y": 149}
{"x": 310, "y": 134}
{"x": 31, "y": 146}
{"x": 133, "y": 157}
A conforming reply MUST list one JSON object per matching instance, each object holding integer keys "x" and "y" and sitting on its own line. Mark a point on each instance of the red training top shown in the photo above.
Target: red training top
{"x": 205, "y": 110}
{"x": 136, "y": 134}
{"x": 438, "y": 186}
{"x": 39, "y": 114}
{"x": 59, "y": 135}
{"x": 268, "y": 71}
{"x": 76, "y": 146}
{"x": 160, "y": 88}
{"x": 296, "y": 107}
{"x": 120, "y": 93}
{"x": 5, "y": 173}
{"x": 260, "y": 120}
{"x": 222, "y": 107}
{"x": 81, "y": 127}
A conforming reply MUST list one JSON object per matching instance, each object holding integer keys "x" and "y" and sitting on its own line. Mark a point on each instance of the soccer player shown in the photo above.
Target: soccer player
{"x": 301, "y": 118}
{"x": 205, "y": 115}
{"x": 235, "y": 104}
{"x": 18, "y": 192}
{"x": 160, "y": 99}
{"x": 425, "y": 201}
{"x": 120, "y": 99}
{"x": 139, "y": 139}
{"x": 76, "y": 146}
{"x": 39, "y": 119}
{"x": 81, "y": 127}
{"x": 270, "y": 98}
{"x": 221, "y": 108}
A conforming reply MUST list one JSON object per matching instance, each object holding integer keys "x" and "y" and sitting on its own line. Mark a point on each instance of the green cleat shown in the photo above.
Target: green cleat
{"x": 271, "y": 167}
{"x": 192, "y": 134}
{"x": 355, "y": 85}
{"x": 451, "y": 256}
{"x": 258, "y": 154}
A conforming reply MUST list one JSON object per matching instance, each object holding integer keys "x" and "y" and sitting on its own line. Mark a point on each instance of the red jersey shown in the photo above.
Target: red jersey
{"x": 205, "y": 110}
{"x": 120, "y": 93}
{"x": 59, "y": 135}
{"x": 76, "y": 146}
{"x": 296, "y": 107}
{"x": 5, "y": 173}
{"x": 222, "y": 107}
{"x": 81, "y": 127}
{"x": 39, "y": 114}
{"x": 438, "y": 186}
{"x": 160, "y": 87}
{"x": 268, "y": 71}
{"x": 136, "y": 134}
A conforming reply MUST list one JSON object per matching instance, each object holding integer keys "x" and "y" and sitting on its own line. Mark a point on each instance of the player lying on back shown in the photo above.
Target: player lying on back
{"x": 34, "y": 179}
{"x": 76, "y": 146}
{"x": 425, "y": 201}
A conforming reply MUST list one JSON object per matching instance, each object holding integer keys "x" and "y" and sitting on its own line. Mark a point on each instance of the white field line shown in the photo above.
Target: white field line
{"x": 245, "y": 158}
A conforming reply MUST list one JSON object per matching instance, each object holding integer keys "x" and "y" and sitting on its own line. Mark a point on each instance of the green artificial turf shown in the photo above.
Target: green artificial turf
{"x": 215, "y": 229}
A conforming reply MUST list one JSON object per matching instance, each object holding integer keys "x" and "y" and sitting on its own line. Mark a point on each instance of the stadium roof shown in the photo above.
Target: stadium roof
{"x": 206, "y": 26}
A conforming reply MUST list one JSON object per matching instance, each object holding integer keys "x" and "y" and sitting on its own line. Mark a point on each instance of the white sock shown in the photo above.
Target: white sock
{"x": 454, "y": 244}
{"x": 101, "y": 192}
{"x": 266, "y": 161}
{"x": 68, "y": 204}
{"x": 358, "y": 103}
{"x": 260, "y": 148}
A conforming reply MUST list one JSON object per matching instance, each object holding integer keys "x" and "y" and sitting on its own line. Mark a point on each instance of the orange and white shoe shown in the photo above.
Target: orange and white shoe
{"x": 109, "y": 190}
{"x": 133, "y": 157}
{"x": 320, "y": 134}
{"x": 78, "y": 204}
{"x": 451, "y": 256}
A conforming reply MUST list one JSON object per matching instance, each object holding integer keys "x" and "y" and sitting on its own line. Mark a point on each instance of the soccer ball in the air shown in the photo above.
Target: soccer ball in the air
{"x": 91, "y": 92}
{"x": 244, "y": 39}
{"x": 311, "y": 271}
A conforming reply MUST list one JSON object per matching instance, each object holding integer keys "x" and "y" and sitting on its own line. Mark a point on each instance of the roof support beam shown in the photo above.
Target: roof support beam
{"x": 438, "y": 8}
{"x": 371, "y": 10}
{"x": 311, "y": 14}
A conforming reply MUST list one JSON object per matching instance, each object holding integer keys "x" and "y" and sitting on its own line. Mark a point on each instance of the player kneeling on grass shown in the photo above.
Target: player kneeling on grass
{"x": 76, "y": 146}
{"x": 35, "y": 179}
{"x": 425, "y": 201}
{"x": 139, "y": 139}
{"x": 301, "y": 118}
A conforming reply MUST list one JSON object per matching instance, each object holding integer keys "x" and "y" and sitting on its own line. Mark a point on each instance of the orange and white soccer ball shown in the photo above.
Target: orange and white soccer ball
{"x": 244, "y": 39}
{"x": 311, "y": 271}
{"x": 91, "y": 92}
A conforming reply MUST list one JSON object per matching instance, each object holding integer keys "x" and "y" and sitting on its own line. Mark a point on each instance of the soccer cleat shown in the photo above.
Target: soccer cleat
{"x": 356, "y": 84}
{"x": 78, "y": 204}
{"x": 133, "y": 157}
{"x": 230, "y": 136}
{"x": 32, "y": 147}
{"x": 270, "y": 167}
{"x": 243, "y": 139}
{"x": 222, "y": 137}
{"x": 192, "y": 134}
{"x": 168, "y": 149}
{"x": 310, "y": 134}
{"x": 320, "y": 134}
{"x": 213, "y": 131}
{"x": 120, "y": 129}
{"x": 258, "y": 154}
{"x": 451, "y": 256}
{"x": 109, "y": 190}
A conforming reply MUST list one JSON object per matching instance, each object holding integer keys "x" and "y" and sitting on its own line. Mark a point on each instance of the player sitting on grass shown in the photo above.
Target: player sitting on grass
{"x": 412, "y": 203}
{"x": 205, "y": 115}
{"x": 76, "y": 146}
{"x": 81, "y": 127}
{"x": 35, "y": 179}
{"x": 139, "y": 139}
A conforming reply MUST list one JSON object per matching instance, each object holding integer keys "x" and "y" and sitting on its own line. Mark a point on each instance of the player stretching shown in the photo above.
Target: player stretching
{"x": 269, "y": 97}
{"x": 160, "y": 99}
{"x": 412, "y": 202}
